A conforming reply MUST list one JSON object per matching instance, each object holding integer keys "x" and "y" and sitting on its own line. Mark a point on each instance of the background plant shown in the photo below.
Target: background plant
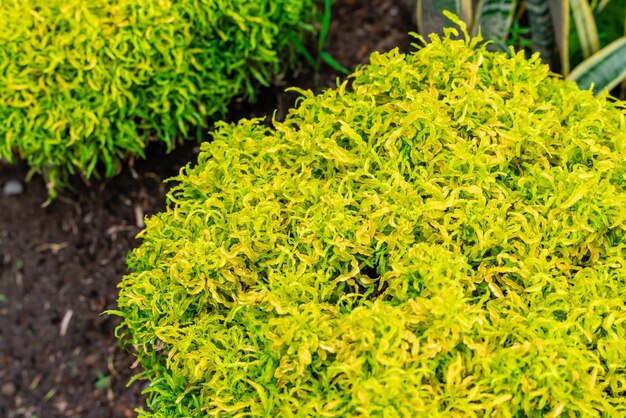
{"x": 321, "y": 55}
{"x": 446, "y": 236}
{"x": 564, "y": 32}
{"x": 84, "y": 85}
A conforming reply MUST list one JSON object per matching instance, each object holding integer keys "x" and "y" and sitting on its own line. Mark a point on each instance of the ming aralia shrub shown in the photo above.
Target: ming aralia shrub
{"x": 84, "y": 84}
{"x": 444, "y": 236}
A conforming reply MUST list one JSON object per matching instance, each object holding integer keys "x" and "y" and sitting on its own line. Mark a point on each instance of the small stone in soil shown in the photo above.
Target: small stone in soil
{"x": 12, "y": 188}
{"x": 92, "y": 359}
{"x": 8, "y": 390}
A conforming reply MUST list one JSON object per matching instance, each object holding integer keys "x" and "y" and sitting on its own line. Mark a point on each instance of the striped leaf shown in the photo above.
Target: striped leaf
{"x": 599, "y": 5}
{"x": 494, "y": 18}
{"x": 585, "y": 27}
{"x": 542, "y": 30}
{"x": 622, "y": 93}
{"x": 430, "y": 18}
{"x": 559, "y": 10}
{"x": 605, "y": 69}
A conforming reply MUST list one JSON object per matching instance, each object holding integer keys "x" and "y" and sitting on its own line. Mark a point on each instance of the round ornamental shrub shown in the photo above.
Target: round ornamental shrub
{"x": 84, "y": 84}
{"x": 443, "y": 236}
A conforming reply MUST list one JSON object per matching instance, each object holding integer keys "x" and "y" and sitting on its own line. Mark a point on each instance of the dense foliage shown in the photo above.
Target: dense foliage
{"x": 84, "y": 84}
{"x": 585, "y": 36}
{"x": 444, "y": 236}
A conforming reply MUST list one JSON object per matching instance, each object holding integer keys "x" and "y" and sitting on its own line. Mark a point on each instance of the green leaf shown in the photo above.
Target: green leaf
{"x": 585, "y": 27}
{"x": 328, "y": 59}
{"x": 605, "y": 69}
{"x": 103, "y": 381}
{"x": 325, "y": 25}
{"x": 301, "y": 49}
{"x": 494, "y": 18}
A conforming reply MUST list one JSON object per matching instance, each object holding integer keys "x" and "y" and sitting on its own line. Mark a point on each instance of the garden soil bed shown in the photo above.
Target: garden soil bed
{"x": 60, "y": 264}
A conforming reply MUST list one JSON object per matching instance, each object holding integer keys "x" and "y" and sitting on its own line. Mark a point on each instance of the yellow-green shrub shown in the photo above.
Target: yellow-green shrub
{"x": 83, "y": 83}
{"x": 443, "y": 237}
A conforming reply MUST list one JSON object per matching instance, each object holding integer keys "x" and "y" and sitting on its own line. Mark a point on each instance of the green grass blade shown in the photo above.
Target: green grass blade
{"x": 301, "y": 49}
{"x": 585, "y": 27}
{"x": 328, "y": 59}
{"x": 605, "y": 69}
{"x": 325, "y": 25}
{"x": 430, "y": 18}
{"x": 559, "y": 10}
{"x": 541, "y": 30}
{"x": 494, "y": 18}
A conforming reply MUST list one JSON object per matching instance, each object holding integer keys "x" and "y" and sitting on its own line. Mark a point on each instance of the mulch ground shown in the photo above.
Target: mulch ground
{"x": 60, "y": 265}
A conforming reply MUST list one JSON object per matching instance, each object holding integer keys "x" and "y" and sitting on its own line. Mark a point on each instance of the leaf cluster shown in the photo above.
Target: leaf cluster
{"x": 586, "y": 35}
{"x": 84, "y": 84}
{"x": 445, "y": 236}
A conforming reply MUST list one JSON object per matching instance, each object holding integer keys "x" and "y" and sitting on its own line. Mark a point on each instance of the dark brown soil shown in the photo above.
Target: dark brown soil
{"x": 59, "y": 265}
